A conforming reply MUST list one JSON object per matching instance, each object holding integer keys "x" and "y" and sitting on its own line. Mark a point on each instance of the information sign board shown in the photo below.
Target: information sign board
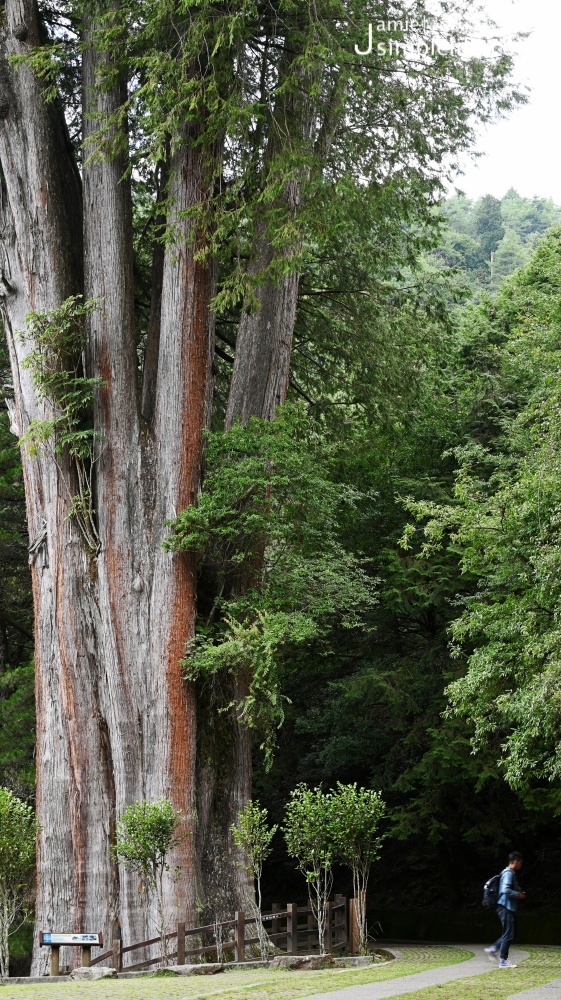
{"x": 70, "y": 939}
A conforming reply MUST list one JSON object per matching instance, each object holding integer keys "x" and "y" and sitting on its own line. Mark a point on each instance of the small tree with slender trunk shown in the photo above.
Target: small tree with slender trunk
{"x": 147, "y": 833}
{"x": 355, "y": 827}
{"x": 308, "y": 831}
{"x": 18, "y": 833}
{"x": 253, "y": 836}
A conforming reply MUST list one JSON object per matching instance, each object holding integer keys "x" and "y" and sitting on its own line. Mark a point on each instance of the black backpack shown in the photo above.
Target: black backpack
{"x": 491, "y": 892}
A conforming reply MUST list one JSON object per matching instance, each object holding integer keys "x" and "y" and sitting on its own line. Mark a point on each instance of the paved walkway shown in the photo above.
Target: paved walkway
{"x": 551, "y": 991}
{"x": 434, "y": 977}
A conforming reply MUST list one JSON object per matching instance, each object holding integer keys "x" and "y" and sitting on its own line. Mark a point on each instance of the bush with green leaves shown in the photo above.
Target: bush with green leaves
{"x": 309, "y": 831}
{"x": 18, "y": 834}
{"x": 253, "y": 836}
{"x": 356, "y": 815}
{"x": 147, "y": 833}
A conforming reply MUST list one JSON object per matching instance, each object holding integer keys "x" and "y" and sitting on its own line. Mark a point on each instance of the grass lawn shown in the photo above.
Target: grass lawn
{"x": 257, "y": 984}
{"x": 542, "y": 967}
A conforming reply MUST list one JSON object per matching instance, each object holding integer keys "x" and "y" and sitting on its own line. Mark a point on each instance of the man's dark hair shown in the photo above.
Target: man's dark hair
{"x": 515, "y": 856}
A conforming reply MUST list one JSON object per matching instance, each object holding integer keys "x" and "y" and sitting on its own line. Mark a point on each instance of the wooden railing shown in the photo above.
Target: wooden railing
{"x": 294, "y": 927}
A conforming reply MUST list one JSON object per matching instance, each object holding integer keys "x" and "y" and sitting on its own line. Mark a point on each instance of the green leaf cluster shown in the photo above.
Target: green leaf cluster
{"x": 267, "y": 531}
{"x": 58, "y": 368}
{"x": 308, "y": 830}
{"x": 147, "y": 832}
{"x": 56, "y": 363}
{"x": 503, "y": 520}
{"x": 18, "y": 834}
{"x": 357, "y": 813}
{"x": 18, "y": 830}
{"x": 253, "y": 836}
{"x": 509, "y": 230}
{"x": 340, "y": 825}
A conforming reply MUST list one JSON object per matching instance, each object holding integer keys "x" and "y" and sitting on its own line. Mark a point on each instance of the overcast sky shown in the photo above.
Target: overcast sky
{"x": 524, "y": 152}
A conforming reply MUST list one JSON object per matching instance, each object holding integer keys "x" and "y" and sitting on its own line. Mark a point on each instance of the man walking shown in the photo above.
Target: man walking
{"x": 509, "y": 894}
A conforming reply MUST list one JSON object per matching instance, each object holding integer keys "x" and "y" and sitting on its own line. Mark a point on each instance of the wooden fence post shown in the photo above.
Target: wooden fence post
{"x": 340, "y": 929}
{"x": 327, "y": 930}
{"x": 181, "y": 944}
{"x": 117, "y": 957}
{"x": 353, "y": 928}
{"x": 292, "y": 929}
{"x": 55, "y": 960}
{"x": 239, "y": 948}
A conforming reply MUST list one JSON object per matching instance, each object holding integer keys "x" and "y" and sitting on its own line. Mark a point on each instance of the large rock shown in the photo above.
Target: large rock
{"x": 204, "y": 969}
{"x": 96, "y": 972}
{"x": 304, "y": 962}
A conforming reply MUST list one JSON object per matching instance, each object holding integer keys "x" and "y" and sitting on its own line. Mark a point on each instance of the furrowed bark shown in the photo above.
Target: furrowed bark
{"x": 261, "y": 370}
{"x": 150, "y": 371}
{"x": 121, "y": 637}
{"x": 183, "y": 398}
{"x": 224, "y": 779}
{"x": 41, "y": 242}
{"x": 264, "y": 340}
{"x": 116, "y": 722}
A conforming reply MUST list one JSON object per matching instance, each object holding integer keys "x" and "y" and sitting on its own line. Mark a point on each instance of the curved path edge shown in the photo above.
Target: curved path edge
{"x": 551, "y": 991}
{"x": 475, "y": 966}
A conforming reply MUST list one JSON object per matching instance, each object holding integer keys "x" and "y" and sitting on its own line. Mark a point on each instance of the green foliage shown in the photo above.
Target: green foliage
{"x": 57, "y": 367}
{"x": 253, "y": 836}
{"x": 308, "y": 830}
{"x": 356, "y": 820}
{"x": 18, "y": 832}
{"x": 510, "y": 231}
{"x": 267, "y": 529}
{"x": 489, "y": 224}
{"x": 309, "y": 835}
{"x": 271, "y": 97}
{"x": 16, "y": 616}
{"x": 503, "y": 520}
{"x": 509, "y": 256}
{"x": 371, "y": 710}
{"x": 527, "y": 216}
{"x": 17, "y": 730}
{"x": 147, "y": 833}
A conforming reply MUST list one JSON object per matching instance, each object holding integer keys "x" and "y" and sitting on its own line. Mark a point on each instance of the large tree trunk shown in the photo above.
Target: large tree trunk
{"x": 259, "y": 385}
{"x": 115, "y": 719}
{"x": 263, "y": 346}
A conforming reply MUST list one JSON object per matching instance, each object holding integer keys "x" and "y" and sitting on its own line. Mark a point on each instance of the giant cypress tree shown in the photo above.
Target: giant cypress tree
{"x": 254, "y": 128}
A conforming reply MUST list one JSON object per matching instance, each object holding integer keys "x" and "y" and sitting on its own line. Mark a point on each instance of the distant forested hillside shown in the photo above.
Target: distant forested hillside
{"x": 490, "y": 238}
